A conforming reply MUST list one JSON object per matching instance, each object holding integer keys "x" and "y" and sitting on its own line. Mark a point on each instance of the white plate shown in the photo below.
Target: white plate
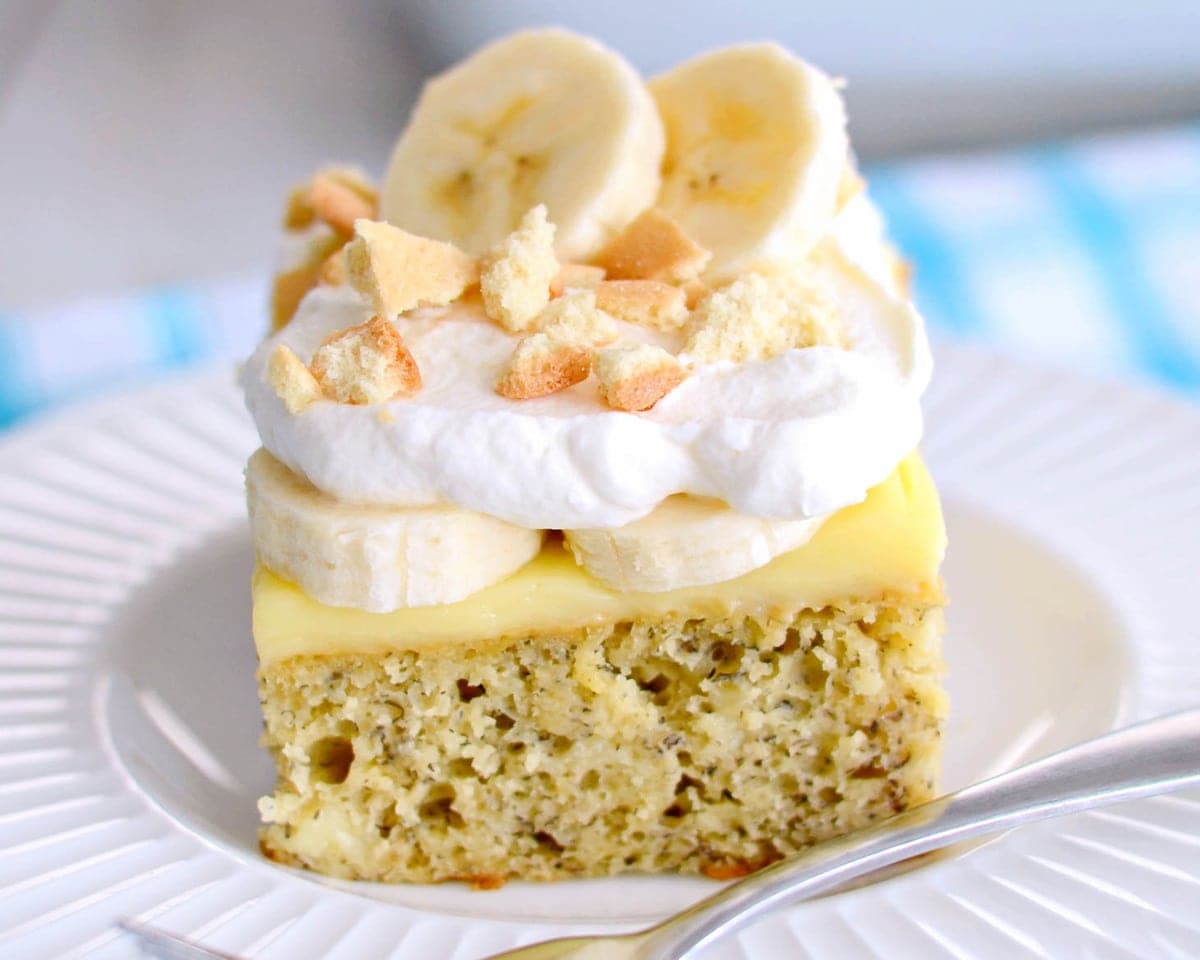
{"x": 128, "y": 716}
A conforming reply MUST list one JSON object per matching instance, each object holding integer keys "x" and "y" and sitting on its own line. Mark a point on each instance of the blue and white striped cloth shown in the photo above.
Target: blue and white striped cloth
{"x": 1086, "y": 253}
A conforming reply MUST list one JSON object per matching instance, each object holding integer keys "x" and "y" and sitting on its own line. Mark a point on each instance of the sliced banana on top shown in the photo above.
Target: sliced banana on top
{"x": 685, "y": 542}
{"x": 542, "y": 116}
{"x": 756, "y": 147}
{"x": 376, "y": 558}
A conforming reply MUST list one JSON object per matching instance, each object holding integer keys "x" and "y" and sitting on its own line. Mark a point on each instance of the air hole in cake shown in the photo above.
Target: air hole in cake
{"x": 468, "y": 691}
{"x": 561, "y": 745}
{"x": 869, "y": 771}
{"x": 791, "y": 642}
{"x": 438, "y": 806}
{"x": 685, "y": 781}
{"x": 330, "y": 758}
{"x": 547, "y": 842}
{"x": 726, "y": 657}
{"x": 503, "y": 721}
{"x": 813, "y": 672}
{"x": 680, "y": 808}
{"x": 656, "y": 684}
{"x": 666, "y": 680}
{"x": 461, "y": 767}
{"x": 828, "y": 796}
{"x": 387, "y": 820}
{"x": 590, "y": 780}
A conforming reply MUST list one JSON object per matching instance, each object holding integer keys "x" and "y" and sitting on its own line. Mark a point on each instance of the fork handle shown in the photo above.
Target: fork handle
{"x": 1158, "y": 756}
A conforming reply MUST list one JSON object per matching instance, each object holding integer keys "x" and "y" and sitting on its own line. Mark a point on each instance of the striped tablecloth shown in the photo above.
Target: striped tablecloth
{"x": 1086, "y": 253}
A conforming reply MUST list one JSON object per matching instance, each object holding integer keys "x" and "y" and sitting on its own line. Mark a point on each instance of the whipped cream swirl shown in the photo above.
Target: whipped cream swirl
{"x": 799, "y": 435}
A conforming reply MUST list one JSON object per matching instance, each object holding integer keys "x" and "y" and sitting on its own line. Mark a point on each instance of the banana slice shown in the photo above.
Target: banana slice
{"x": 376, "y": 558}
{"x": 685, "y": 542}
{"x": 542, "y": 116}
{"x": 756, "y": 146}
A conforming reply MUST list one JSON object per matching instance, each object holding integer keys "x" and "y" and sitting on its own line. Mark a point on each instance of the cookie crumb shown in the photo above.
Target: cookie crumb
{"x": 576, "y": 316}
{"x": 636, "y": 378}
{"x": 575, "y": 275}
{"x": 333, "y": 270}
{"x": 653, "y": 247}
{"x": 366, "y": 363}
{"x": 694, "y": 291}
{"x": 300, "y": 212}
{"x": 559, "y": 354}
{"x": 398, "y": 271}
{"x": 649, "y": 303}
{"x": 759, "y": 316}
{"x": 543, "y": 364}
{"x": 339, "y": 200}
{"x": 291, "y": 380}
{"x": 517, "y": 273}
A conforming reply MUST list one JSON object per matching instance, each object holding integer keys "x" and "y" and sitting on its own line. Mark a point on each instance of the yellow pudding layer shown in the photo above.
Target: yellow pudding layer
{"x": 891, "y": 543}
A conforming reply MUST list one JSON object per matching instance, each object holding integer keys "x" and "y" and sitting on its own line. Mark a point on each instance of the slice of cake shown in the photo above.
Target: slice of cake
{"x": 591, "y": 537}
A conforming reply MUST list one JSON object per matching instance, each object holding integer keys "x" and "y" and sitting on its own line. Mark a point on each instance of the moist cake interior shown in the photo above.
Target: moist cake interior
{"x": 549, "y": 727}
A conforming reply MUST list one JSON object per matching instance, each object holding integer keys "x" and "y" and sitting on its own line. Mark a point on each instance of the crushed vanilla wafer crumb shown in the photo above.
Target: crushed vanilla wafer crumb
{"x": 649, "y": 303}
{"x": 333, "y": 269}
{"x": 299, "y": 212}
{"x": 574, "y": 275}
{"x": 517, "y": 273}
{"x": 694, "y": 291}
{"x": 398, "y": 271}
{"x": 759, "y": 316}
{"x": 338, "y": 203}
{"x": 341, "y": 192}
{"x": 290, "y": 285}
{"x": 543, "y": 364}
{"x": 636, "y": 377}
{"x": 653, "y": 247}
{"x": 559, "y": 354}
{"x": 291, "y": 380}
{"x": 367, "y": 363}
{"x": 575, "y": 316}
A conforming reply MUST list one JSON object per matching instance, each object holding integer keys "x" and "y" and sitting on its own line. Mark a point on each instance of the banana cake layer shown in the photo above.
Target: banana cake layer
{"x": 549, "y": 726}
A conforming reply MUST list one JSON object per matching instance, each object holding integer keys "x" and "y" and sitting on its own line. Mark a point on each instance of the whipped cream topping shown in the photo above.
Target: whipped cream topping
{"x": 799, "y": 435}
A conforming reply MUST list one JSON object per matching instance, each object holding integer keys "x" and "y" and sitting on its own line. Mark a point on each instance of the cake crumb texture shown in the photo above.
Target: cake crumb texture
{"x": 700, "y": 746}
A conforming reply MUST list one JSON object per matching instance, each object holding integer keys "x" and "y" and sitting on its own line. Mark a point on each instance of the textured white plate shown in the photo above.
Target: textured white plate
{"x": 128, "y": 718}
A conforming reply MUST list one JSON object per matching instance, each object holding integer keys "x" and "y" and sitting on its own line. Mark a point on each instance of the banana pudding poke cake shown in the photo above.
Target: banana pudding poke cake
{"x": 590, "y": 529}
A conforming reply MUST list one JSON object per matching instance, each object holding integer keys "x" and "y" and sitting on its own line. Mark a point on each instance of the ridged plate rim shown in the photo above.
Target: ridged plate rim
{"x": 1106, "y": 472}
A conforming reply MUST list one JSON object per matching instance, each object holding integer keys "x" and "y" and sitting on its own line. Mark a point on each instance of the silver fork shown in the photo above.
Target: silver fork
{"x": 1150, "y": 758}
